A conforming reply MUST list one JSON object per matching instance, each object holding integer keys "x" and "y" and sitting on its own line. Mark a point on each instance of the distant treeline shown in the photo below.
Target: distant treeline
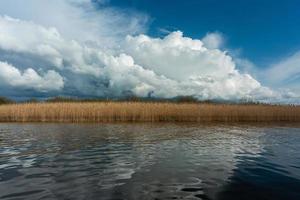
{"x": 4, "y": 100}
{"x": 179, "y": 99}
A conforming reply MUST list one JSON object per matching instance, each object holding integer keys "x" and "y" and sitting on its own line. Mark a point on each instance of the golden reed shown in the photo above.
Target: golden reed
{"x": 146, "y": 112}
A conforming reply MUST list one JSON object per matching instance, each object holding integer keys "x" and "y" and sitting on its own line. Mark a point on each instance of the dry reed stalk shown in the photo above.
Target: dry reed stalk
{"x": 146, "y": 112}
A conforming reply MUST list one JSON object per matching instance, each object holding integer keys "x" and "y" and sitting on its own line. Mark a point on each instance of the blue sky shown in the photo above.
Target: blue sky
{"x": 209, "y": 49}
{"x": 265, "y": 30}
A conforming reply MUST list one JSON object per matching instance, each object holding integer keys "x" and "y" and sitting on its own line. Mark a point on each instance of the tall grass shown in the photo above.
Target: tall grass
{"x": 146, "y": 112}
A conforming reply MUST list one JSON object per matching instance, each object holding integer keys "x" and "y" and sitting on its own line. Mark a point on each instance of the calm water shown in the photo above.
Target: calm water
{"x": 144, "y": 161}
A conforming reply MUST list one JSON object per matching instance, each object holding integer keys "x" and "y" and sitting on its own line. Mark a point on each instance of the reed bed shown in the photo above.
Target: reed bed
{"x": 146, "y": 112}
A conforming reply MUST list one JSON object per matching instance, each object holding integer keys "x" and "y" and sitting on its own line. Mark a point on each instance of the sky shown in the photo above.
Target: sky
{"x": 264, "y": 29}
{"x": 209, "y": 49}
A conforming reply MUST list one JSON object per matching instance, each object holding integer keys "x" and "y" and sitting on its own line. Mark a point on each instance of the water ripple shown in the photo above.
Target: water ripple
{"x": 148, "y": 161}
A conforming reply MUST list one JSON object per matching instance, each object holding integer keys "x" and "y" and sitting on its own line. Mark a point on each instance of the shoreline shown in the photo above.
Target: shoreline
{"x": 86, "y": 112}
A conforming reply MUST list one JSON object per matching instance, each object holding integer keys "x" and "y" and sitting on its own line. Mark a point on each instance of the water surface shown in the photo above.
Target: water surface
{"x": 149, "y": 161}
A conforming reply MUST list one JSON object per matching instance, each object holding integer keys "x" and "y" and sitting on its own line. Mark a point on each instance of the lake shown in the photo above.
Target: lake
{"x": 149, "y": 161}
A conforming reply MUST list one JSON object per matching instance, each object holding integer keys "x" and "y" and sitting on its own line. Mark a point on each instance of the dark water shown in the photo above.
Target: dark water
{"x": 144, "y": 161}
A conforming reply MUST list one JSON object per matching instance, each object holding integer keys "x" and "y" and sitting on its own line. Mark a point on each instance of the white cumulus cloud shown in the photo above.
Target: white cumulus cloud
{"x": 160, "y": 67}
{"x": 213, "y": 40}
{"x": 30, "y": 79}
{"x": 179, "y": 57}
